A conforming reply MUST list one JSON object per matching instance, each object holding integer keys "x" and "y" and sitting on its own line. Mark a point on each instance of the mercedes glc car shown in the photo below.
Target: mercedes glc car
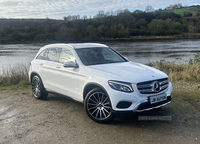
{"x": 97, "y": 75}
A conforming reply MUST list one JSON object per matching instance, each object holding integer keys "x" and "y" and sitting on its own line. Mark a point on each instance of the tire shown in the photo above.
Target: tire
{"x": 38, "y": 90}
{"x": 98, "y": 106}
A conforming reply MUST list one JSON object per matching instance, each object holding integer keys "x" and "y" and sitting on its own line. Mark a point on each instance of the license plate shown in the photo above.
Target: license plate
{"x": 156, "y": 99}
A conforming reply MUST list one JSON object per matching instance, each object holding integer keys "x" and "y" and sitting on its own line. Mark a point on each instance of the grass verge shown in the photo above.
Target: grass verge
{"x": 189, "y": 72}
{"x": 15, "y": 79}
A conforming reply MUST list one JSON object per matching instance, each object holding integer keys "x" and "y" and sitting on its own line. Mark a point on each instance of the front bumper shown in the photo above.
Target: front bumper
{"x": 136, "y": 102}
{"x": 145, "y": 105}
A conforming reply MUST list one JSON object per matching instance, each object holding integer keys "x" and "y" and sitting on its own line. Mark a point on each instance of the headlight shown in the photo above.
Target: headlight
{"x": 121, "y": 86}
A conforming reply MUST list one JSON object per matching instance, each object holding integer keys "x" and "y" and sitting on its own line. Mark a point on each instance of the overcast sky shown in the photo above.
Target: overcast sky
{"x": 57, "y": 9}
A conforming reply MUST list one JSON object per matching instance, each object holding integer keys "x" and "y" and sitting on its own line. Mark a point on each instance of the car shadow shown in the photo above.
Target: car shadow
{"x": 61, "y": 98}
{"x": 156, "y": 116}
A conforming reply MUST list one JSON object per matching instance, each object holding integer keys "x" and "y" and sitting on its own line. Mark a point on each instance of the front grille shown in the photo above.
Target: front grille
{"x": 152, "y": 87}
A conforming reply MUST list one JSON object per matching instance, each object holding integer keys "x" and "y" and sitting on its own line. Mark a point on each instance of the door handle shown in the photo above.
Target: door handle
{"x": 41, "y": 63}
{"x": 58, "y": 67}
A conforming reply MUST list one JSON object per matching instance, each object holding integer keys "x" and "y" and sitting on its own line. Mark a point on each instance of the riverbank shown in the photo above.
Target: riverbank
{"x": 189, "y": 72}
{"x": 132, "y": 39}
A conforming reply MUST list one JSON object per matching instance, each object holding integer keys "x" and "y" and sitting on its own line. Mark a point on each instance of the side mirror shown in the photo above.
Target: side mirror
{"x": 70, "y": 64}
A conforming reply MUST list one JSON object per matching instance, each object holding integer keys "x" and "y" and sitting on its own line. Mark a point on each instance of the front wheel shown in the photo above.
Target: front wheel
{"x": 38, "y": 90}
{"x": 98, "y": 106}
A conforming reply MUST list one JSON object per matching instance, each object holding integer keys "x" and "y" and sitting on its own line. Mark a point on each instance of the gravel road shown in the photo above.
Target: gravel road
{"x": 60, "y": 120}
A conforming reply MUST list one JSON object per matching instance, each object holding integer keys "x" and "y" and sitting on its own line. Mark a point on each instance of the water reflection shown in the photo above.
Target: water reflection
{"x": 179, "y": 51}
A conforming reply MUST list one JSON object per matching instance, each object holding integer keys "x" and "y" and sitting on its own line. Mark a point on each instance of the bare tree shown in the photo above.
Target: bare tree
{"x": 149, "y": 9}
{"x": 174, "y": 6}
{"x": 85, "y": 17}
{"x": 100, "y": 14}
{"x": 65, "y": 18}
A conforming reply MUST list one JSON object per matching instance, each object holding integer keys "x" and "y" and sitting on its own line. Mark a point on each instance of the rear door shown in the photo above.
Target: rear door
{"x": 48, "y": 61}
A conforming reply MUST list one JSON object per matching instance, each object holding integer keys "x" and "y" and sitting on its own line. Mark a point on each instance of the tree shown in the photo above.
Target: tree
{"x": 187, "y": 14}
{"x": 85, "y": 17}
{"x": 141, "y": 22}
{"x": 138, "y": 11}
{"x": 149, "y": 9}
{"x": 157, "y": 27}
{"x": 5, "y": 30}
{"x": 68, "y": 18}
{"x": 192, "y": 29}
{"x": 91, "y": 32}
{"x": 100, "y": 14}
{"x": 174, "y": 6}
{"x": 29, "y": 29}
{"x": 65, "y": 18}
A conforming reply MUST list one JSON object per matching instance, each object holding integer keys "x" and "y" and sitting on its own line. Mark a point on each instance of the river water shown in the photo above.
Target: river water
{"x": 178, "y": 51}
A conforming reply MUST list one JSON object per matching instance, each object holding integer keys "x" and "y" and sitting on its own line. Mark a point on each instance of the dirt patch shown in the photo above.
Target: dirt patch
{"x": 23, "y": 119}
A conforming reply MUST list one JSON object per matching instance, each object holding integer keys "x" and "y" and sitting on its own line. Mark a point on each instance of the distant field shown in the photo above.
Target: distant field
{"x": 181, "y": 11}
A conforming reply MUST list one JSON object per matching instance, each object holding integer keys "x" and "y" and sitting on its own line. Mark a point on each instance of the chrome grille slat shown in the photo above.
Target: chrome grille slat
{"x": 164, "y": 82}
{"x": 146, "y": 87}
{"x": 164, "y": 87}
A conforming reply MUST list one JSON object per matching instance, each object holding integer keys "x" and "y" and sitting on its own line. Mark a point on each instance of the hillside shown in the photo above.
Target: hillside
{"x": 194, "y": 10}
{"x": 125, "y": 25}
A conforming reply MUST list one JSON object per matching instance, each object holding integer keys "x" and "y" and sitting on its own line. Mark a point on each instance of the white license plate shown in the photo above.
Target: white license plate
{"x": 156, "y": 99}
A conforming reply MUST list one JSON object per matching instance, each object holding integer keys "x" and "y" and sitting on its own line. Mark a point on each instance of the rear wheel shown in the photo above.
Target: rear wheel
{"x": 38, "y": 90}
{"x": 98, "y": 106}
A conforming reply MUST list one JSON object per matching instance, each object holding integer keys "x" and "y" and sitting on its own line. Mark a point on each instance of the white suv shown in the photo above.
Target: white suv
{"x": 101, "y": 78}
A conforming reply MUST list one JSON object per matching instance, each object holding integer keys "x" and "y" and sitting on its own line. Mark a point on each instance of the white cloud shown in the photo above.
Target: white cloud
{"x": 59, "y": 8}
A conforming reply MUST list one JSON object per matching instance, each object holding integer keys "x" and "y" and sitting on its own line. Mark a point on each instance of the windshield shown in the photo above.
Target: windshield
{"x": 94, "y": 56}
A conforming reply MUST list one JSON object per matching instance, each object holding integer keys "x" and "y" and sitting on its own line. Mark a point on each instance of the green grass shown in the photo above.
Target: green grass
{"x": 186, "y": 96}
{"x": 16, "y": 89}
{"x": 182, "y": 10}
{"x": 15, "y": 79}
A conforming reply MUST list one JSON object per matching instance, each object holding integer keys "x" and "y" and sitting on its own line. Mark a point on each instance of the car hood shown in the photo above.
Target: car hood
{"x": 127, "y": 71}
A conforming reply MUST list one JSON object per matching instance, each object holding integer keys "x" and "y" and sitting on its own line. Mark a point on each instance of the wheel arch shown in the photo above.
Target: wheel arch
{"x": 91, "y": 86}
{"x": 34, "y": 74}
{"x": 42, "y": 93}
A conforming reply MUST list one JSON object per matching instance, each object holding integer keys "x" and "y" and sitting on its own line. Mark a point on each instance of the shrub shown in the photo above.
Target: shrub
{"x": 181, "y": 72}
{"x": 15, "y": 75}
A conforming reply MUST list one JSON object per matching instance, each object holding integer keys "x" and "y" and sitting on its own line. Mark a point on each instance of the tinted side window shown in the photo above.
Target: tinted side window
{"x": 54, "y": 54}
{"x": 66, "y": 55}
{"x": 43, "y": 55}
{"x": 50, "y": 54}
